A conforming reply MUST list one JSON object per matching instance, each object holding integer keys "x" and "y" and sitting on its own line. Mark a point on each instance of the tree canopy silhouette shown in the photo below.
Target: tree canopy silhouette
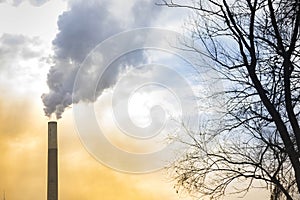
{"x": 254, "y": 45}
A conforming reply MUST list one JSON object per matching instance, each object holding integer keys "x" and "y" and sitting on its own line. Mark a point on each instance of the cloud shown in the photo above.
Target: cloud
{"x": 145, "y": 13}
{"x": 18, "y": 2}
{"x": 81, "y": 28}
{"x": 23, "y": 63}
{"x": 15, "y": 47}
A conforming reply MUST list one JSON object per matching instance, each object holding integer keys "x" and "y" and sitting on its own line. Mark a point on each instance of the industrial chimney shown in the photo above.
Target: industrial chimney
{"x": 52, "y": 187}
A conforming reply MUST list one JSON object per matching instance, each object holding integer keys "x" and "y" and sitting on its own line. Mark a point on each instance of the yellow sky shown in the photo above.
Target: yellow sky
{"x": 23, "y": 147}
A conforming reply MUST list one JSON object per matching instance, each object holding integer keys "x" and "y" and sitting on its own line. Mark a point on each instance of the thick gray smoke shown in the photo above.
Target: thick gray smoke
{"x": 85, "y": 25}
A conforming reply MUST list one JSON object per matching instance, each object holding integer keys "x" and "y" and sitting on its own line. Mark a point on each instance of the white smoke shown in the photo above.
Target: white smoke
{"x": 81, "y": 28}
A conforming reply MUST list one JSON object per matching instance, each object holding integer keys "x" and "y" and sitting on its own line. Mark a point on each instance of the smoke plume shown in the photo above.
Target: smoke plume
{"x": 81, "y": 28}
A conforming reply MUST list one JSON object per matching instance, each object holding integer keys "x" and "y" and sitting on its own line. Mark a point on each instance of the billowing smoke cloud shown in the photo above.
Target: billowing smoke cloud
{"x": 85, "y": 25}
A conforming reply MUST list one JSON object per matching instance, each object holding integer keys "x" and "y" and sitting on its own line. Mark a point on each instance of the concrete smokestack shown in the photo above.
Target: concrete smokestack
{"x": 52, "y": 187}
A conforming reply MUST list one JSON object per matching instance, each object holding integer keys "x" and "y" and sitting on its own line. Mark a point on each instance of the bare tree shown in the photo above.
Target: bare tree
{"x": 254, "y": 45}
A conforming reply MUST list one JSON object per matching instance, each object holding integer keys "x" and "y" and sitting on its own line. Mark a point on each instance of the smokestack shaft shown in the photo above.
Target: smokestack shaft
{"x": 52, "y": 187}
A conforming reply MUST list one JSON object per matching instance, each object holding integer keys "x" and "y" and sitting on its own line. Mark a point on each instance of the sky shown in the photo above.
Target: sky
{"x": 43, "y": 44}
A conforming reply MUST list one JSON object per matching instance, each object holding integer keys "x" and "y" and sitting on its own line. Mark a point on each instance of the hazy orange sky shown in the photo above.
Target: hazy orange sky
{"x": 27, "y": 30}
{"x": 23, "y": 146}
